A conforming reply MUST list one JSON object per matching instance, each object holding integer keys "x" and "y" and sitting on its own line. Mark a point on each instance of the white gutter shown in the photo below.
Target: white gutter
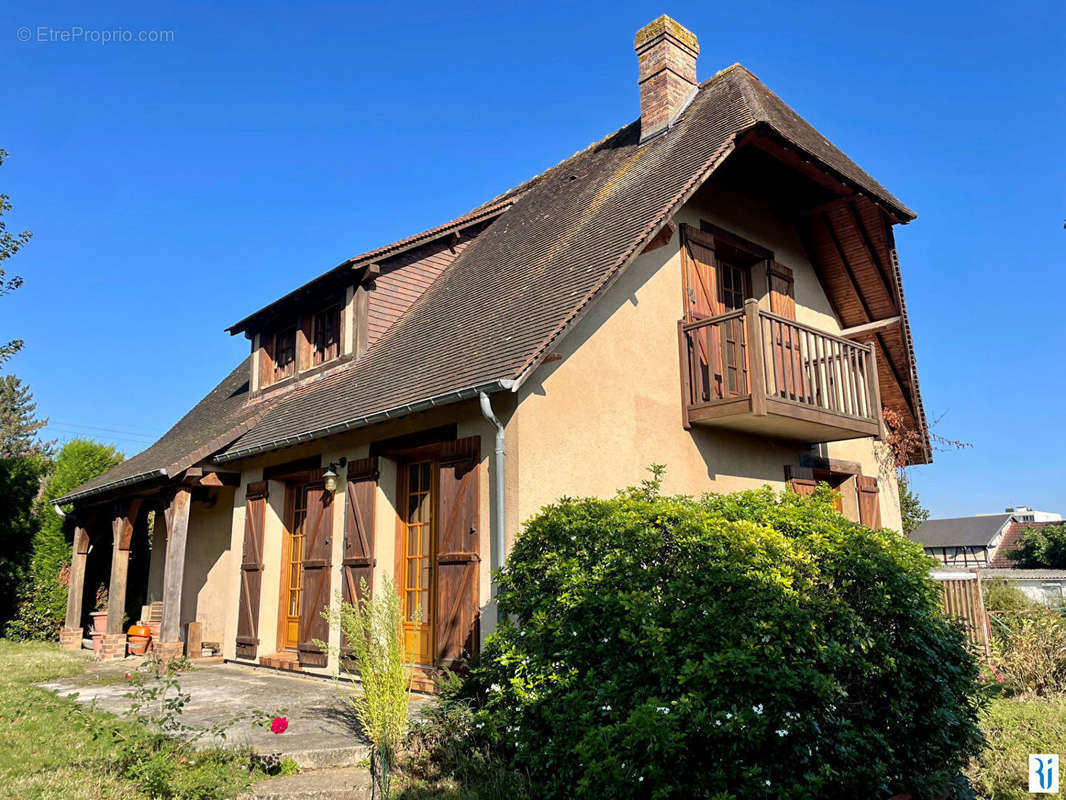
{"x": 498, "y": 491}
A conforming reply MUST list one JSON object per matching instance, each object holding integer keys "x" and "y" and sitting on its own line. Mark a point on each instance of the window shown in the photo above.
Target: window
{"x": 285, "y": 354}
{"x": 326, "y": 335}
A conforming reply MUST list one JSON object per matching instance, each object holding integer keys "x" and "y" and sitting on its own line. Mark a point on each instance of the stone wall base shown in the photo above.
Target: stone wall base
{"x": 165, "y": 651}
{"x": 112, "y": 646}
{"x": 70, "y": 638}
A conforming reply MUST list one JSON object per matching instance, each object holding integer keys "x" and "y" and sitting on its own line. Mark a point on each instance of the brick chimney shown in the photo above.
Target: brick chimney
{"x": 666, "y": 53}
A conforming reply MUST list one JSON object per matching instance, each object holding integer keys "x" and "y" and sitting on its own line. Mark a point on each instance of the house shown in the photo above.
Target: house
{"x": 983, "y": 541}
{"x": 1044, "y": 586}
{"x": 714, "y": 286}
{"x": 963, "y": 541}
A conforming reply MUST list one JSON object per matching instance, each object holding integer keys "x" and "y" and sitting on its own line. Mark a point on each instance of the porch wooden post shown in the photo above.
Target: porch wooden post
{"x": 122, "y": 520}
{"x": 176, "y": 513}
{"x": 71, "y": 635}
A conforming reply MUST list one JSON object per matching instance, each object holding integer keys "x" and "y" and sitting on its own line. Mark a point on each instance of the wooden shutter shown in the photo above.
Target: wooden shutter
{"x": 804, "y": 486}
{"x": 457, "y": 551}
{"x": 700, "y": 275}
{"x": 791, "y": 380}
{"x": 869, "y": 501}
{"x": 251, "y": 570}
{"x": 318, "y": 526}
{"x": 358, "y": 561}
{"x": 782, "y": 290}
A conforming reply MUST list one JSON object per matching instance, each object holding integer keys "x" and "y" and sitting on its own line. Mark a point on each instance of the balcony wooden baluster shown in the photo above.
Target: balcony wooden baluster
{"x": 754, "y": 371}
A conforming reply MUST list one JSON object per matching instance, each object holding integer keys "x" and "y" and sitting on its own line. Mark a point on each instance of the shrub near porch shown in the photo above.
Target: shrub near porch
{"x": 752, "y": 645}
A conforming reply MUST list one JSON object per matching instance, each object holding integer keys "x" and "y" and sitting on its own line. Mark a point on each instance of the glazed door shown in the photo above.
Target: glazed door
{"x": 292, "y": 568}
{"x": 417, "y": 565}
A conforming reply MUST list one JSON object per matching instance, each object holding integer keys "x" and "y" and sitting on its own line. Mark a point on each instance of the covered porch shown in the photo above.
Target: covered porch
{"x": 132, "y": 549}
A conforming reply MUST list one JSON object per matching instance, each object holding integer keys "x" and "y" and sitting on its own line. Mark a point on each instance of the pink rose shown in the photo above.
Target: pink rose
{"x": 999, "y": 677}
{"x": 127, "y": 676}
{"x": 279, "y": 725}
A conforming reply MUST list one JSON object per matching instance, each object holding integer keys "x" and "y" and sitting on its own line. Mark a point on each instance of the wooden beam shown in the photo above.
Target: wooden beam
{"x": 123, "y": 516}
{"x": 860, "y": 226}
{"x": 76, "y": 584}
{"x": 361, "y": 318}
{"x": 176, "y": 514}
{"x": 871, "y": 327}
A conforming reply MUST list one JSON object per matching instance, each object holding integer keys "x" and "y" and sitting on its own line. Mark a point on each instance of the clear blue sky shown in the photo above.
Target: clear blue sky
{"x": 174, "y": 187}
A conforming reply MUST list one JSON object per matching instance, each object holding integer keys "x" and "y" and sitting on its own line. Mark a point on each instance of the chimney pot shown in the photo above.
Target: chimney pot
{"x": 666, "y": 55}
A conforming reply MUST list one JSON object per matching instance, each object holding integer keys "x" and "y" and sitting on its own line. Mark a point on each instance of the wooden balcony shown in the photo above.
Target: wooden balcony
{"x": 754, "y": 371}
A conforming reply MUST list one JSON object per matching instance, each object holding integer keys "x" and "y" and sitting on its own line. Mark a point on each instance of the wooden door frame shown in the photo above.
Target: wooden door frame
{"x": 417, "y": 455}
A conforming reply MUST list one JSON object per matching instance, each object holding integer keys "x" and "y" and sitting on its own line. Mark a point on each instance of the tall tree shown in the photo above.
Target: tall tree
{"x": 18, "y": 426}
{"x": 10, "y": 243}
{"x": 910, "y": 506}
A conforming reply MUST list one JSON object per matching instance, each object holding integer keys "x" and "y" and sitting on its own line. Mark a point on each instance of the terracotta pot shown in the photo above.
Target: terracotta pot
{"x": 99, "y": 621}
{"x": 138, "y": 644}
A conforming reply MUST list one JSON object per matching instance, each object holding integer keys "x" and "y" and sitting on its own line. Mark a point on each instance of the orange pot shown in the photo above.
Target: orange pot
{"x": 139, "y": 630}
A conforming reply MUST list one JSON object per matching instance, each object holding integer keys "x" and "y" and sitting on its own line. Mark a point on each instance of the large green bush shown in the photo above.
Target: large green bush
{"x": 44, "y": 599}
{"x": 745, "y": 645}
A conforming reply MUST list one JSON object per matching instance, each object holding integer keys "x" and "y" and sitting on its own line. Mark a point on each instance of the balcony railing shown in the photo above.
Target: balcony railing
{"x": 755, "y": 371}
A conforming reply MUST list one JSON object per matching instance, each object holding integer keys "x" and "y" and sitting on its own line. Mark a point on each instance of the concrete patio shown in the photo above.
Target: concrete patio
{"x": 322, "y": 732}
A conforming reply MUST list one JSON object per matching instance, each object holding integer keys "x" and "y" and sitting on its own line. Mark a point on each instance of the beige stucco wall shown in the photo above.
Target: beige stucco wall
{"x": 593, "y": 421}
{"x": 209, "y": 565}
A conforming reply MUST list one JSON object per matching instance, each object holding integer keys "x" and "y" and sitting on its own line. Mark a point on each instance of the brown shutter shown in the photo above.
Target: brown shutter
{"x": 790, "y": 378}
{"x": 804, "y": 486}
{"x": 358, "y": 561}
{"x": 251, "y": 570}
{"x": 869, "y": 501}
{"x": 457, "y": 551}
{"x": 314, "y": 600}
{"x": 782, "y": 291}
{"x": 700, "y": 286}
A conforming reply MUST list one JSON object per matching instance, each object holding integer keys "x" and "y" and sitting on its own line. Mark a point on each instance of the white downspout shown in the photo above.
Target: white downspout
{"x": 498, "y": 502}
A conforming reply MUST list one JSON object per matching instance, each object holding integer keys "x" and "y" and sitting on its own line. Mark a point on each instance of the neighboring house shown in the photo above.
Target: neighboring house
{"x": 981, "y": 541}
{"x": 963, "y": 541}
{"x": 1028, "y": 514}
{"x": 714, "y": 287}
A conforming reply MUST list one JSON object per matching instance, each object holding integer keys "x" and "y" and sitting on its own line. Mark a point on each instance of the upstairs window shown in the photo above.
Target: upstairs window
{"x": 326, "y": 335}
{"x": 285, "y": 355}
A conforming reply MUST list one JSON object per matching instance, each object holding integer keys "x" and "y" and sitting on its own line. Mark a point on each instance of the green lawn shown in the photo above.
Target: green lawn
{"x": 54, "y": 748}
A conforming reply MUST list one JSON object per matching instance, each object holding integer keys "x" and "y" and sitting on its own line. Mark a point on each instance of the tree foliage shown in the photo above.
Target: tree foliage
{"x": 10, "y": 243}
{"x": 44, "y": 598}
{"x": 1041, "y": 548}
{"x": 18, "y": 425}
{"x": 744, "y": 645}
{"x": 20, "y": 481}
{"x": 911, "y": 509}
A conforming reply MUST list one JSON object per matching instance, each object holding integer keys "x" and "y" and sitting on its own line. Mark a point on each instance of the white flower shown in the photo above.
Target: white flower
{"x": 782, "y": 732}
{"x": 767, "y": 781}
{"x": 640, "y": 779}
{"x": 757, "y": 709}
{"x": 605, "y": 708}
{"x": 495, "y": 688}
{"x": 728, "y": 715}
{"x": 663, "y": 710}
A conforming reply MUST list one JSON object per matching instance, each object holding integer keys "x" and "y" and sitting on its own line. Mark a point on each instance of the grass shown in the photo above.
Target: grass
{"x": 54, "y": 748}
{"x": 1016, "y": 727}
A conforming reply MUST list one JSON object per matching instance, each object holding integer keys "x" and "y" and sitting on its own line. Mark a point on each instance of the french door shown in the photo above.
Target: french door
{"x": 292, "y": 573}
{"x": 418, "y": 567}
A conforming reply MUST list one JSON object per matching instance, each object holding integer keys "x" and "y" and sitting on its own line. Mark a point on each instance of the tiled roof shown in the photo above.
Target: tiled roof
{"x": 1024, "y": 574}
{"x": 1011, "y": 538}
{"x": 491, "y": 316}
{"x": 960, "y": 531}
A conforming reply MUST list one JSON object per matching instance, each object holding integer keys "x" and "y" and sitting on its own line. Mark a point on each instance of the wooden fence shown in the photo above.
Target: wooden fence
{"x": 962, "y": 599}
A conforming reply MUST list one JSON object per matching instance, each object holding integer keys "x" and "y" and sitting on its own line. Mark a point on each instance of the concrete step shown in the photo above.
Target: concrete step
{"x": 348, "y": 783}
{"x": 327, "y": 757}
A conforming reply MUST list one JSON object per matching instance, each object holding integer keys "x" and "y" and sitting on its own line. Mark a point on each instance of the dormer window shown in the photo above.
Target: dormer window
{"x": 326, "y": 335}
{"x": 285, "y": 354}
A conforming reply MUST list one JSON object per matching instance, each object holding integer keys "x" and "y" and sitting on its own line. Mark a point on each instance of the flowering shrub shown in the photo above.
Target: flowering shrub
{"x": 745, "y": 645}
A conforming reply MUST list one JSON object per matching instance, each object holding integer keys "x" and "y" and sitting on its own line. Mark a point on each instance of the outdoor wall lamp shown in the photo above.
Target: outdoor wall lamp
{"x": 329, "y": 477}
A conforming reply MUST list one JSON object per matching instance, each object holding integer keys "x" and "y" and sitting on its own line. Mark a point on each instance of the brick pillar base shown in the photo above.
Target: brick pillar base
{"x": 70, "y": 639}
{"x": 112, "y": 646}
{"x": 165, "y": 651}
